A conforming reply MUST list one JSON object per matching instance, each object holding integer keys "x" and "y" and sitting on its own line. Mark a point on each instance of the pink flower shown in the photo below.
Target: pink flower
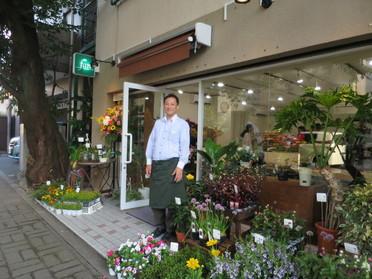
{"x": 110, "y": 253}
{"x": 117, "y": 261}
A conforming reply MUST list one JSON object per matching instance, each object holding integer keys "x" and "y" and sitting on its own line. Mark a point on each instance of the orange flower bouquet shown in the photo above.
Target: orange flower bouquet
{"x": 110, "y": 124}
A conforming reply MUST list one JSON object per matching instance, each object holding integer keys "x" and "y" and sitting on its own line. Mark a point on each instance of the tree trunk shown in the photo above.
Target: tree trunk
{"x": 48, "y": 152}
{"x": 336, "y": 197}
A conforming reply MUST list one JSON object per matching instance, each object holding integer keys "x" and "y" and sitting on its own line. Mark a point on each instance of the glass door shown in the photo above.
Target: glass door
{"x": 142, "y": 105}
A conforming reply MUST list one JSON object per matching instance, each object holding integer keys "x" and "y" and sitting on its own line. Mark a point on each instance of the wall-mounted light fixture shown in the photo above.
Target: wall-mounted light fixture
{"x": 242, "y": 1}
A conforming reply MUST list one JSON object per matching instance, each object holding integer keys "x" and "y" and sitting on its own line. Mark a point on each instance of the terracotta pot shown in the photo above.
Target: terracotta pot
{"x": 181, "y": 237}
{"x": 326, "y": 239}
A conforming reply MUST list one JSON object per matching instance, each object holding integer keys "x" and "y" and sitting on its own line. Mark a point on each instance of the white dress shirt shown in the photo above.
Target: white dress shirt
{"x": 170, "y": 138}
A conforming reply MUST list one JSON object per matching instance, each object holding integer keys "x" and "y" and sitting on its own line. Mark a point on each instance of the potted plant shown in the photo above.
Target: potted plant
{"x": 356, "y": 224}
{"x": 181, "y": 221}
{"x": 215, "y": 155}
{"x": 316, "y": 107}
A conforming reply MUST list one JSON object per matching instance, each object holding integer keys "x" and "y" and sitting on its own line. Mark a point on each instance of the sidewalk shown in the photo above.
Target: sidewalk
{"x": 33, "y": 245}
{"x": 107, "y": 228}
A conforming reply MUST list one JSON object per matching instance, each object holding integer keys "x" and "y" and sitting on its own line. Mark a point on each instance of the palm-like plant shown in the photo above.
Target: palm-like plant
{"x": 318, "y": 107}
{"x": 215, "y": 155}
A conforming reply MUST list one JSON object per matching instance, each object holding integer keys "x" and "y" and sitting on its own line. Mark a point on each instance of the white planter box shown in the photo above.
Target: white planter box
{"x": 93, "y": 208}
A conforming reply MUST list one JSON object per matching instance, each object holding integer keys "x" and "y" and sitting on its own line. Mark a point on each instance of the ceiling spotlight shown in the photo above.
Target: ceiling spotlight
{"x": 242, "y": 1}
{"x": 272, "y": 108}
{"x": 147, "y": 98}
{"x": 370, "y": 62}
{"x": 280, "y": 99}
{"x": 300, "y": 80}
{"x": 220, "y": 84}
{"x": 244, "y": 103}
{"x": 250, "y": 91}
{"x": 180, "y": 91}
{"x": 208, "y": 96}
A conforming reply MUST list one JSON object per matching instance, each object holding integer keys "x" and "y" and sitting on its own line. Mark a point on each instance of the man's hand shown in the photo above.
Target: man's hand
{"x": 177, "y": 174}
{"x": 148, "y": 171}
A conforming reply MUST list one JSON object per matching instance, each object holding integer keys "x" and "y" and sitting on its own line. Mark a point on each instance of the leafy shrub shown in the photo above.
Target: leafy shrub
{"x": 173, "y": 265}
{"x": 356, "y": 212}
{"x": 312, "y": 266}
{"x": 269, "y": 223}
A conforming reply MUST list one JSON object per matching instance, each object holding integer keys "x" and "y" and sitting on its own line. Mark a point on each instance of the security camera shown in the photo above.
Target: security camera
{"x": 265, "y": 3}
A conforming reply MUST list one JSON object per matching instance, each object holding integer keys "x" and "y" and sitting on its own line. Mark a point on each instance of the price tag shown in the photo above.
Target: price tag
{"x": 48, "y": 182}
{"x": 87, "y": 145}
{"x": 321, "y": 197}
{"x": 80, "y": 139}
{"x": 193, "y": 214}
{"x": 351, "y": 248}
{"x": 193, "y": 227}
{"x": 62, "y": 186}
{"x": 77, "y": 190}
{"x": 99, "y": 146}
{"x": 288, "y": 223}
{"x": 236, "y": 189}
{"x": 177, "y": 200}
{"x": 259, "y": 239}
{"x": 174, "y": 246}
{"x": 201, "y": 234}
{"x": 216, "y": 234}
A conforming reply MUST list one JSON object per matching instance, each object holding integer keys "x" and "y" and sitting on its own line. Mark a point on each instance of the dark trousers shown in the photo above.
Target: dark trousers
{"x": 164, "y": 217}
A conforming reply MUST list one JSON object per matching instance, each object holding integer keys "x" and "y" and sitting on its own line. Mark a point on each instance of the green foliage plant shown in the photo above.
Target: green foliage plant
{"x": 342, "y": 266}
{"x": 181, "y": 218}
{"x": 173, "y": 265}
{"x": 71, "y": 206}
{"x": 316, "y": 107}
{"x": 215, "y": 155}
{"x": 356, "y": 216}
{"x": 270, "y": 224}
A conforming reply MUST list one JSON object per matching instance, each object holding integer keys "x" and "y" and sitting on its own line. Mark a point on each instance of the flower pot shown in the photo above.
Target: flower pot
{"x": 111, "y": 272}
{"x": 305, "y": 176}
{"x": 326, "y": 239}
{"x": 181, "y": 236}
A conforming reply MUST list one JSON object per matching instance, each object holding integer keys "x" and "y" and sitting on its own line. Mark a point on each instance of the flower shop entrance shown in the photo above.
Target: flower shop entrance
{"x": 142, "y": 105}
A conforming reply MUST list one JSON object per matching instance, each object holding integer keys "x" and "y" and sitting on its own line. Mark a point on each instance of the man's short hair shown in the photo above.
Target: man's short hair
{"x": 172, "y": 96}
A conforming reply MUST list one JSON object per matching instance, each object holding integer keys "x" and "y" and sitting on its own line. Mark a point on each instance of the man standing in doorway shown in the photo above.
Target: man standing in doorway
{"x": 167, "y": 153}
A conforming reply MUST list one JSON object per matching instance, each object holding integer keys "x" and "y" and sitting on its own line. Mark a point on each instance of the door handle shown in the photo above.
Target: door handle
{"x": 130, "y": 143}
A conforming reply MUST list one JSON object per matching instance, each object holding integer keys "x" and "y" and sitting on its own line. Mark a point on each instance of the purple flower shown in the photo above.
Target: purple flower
{"x": 193, "y": 200}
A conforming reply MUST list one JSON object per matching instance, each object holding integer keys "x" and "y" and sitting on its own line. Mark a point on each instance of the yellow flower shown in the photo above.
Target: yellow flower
{"x": 212, "y": 242}
{"x": 112, "y": 127}
{"x": 193, "y": 263}
{"x": 215, "y": 252}
{"x": 190, "y": 177}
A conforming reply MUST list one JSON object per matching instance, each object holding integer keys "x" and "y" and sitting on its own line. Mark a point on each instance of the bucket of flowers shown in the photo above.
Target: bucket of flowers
{"x": 110, "y": 124}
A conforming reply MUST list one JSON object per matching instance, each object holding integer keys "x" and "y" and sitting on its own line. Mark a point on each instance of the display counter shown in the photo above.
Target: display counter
{"x": 289, "y": 196}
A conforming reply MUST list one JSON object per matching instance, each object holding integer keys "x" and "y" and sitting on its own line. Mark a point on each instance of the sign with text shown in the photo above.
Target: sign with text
{"x": 83, "y": 65}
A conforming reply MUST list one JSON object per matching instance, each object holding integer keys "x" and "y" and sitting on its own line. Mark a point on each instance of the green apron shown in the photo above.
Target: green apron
{"x": 163, "y": 189}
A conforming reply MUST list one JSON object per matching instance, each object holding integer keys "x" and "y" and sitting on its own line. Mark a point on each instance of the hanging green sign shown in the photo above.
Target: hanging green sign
{"x": 83, "y": 65}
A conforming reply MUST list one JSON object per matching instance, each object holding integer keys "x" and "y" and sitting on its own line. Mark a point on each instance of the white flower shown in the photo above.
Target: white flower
{"x": 106, "y": 120}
